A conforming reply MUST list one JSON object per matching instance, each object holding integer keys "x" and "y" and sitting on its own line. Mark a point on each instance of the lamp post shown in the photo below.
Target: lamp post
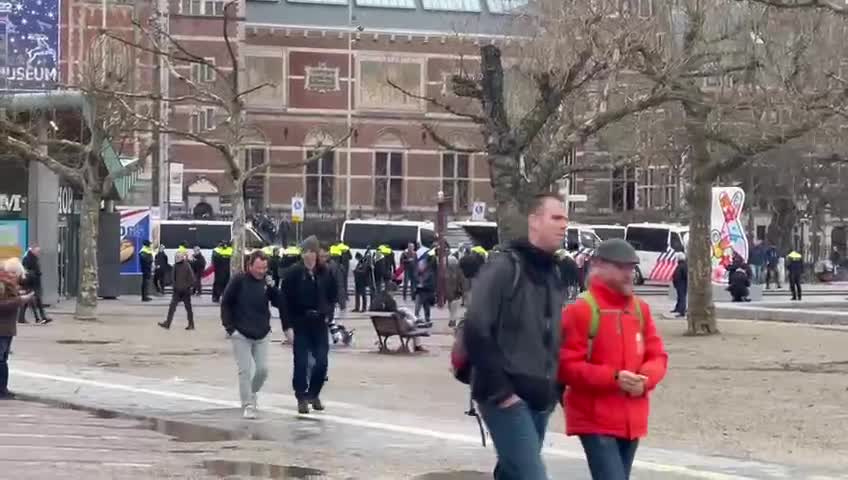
{"x": 441, "y": 226}
{"x": 349, "y": 121}
{"x": 803, "y": 203}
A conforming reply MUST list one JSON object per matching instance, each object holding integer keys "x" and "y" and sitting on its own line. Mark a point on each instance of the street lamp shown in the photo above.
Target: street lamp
{"x": 803, "y": 202}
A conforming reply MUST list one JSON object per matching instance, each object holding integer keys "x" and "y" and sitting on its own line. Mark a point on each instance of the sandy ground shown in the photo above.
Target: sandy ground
{"x": 766, "y": 391}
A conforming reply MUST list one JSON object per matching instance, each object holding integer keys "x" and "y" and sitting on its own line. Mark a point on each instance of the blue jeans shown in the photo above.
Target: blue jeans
{"x": 518, "y": 433}
{"x": 311, "y": 340}
{"x": 5, "y": 346}
{"x": 680, "y": 306}
{"x": 609, "y": 458}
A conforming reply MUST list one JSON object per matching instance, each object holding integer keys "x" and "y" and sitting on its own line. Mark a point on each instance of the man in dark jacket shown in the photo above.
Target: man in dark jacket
{"x": 198, "y": 267}
{"x": 772, "y": 266}
{"x": 310, "y": 294}
{"x": 246, "y": 317}
{"x": 162, "y": 266}
{"x": 514, "y": 374}
{"x": 183, "y": 285}
{"x": 145, "y": 261}
{"x": 425, "y": 291}
{"x": 739, "y": 279}
{"x": 32, "y": 265}
{"x": 409, "y": 261}
{"x": 680, "y": 280}
{"x": 361, "y": 276}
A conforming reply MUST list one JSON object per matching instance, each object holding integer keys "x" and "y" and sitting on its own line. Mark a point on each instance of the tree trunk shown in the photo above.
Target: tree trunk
{"x": 237, "y": 260}
{"x": 509, "y": 197}
{"x": 701, "y": 310}
{"x": 86, "y": 308}
{"x": 781, "y": 229}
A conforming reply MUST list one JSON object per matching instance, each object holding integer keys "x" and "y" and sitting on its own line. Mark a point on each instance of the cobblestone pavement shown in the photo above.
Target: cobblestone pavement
{"x": 759, "y": 391}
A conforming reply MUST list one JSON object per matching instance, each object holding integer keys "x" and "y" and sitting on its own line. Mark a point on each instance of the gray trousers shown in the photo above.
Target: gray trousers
{"x": 252, "y": 360}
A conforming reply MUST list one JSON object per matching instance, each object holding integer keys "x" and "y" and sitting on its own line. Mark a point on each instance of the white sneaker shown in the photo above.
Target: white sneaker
{"x": 249, "y": 412}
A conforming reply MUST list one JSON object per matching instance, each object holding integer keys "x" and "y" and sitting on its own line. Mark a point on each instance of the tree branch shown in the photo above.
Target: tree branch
{"x": 445, "y": 143}
{"x": 474, "y": 118}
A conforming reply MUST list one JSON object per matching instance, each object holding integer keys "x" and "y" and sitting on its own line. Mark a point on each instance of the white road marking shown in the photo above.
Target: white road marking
{"x": 387, "y": 427}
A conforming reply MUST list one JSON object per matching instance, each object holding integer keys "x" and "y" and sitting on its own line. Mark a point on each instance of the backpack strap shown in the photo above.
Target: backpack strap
{"x": 594, "y": 320}
{"x": 516, "y": 271}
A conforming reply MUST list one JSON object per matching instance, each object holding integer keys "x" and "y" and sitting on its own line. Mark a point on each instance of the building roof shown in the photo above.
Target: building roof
{"x": 437, "y": 17}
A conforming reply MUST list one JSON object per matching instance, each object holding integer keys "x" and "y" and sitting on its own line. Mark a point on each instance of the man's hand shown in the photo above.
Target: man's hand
{"x": 632, "y": 383}
{"x": 512, "y": 400}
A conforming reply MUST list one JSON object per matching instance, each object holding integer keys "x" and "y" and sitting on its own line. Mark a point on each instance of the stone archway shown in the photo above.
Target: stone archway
{"x": 203, "y": 197}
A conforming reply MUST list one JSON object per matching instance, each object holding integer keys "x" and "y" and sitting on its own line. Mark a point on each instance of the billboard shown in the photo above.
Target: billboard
{"x": 727, "y": 235}
{"x": 13, "y": 238}
{"x": 29, "y": 44}
{"x": 135, "y": 229}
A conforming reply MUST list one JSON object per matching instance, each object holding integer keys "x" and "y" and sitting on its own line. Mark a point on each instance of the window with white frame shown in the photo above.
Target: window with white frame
{"x": 657, "y": 188}
{"x": 321, "y": 180}
{"x": 623, "y": 196}
{"x": 203, "y": 120}
{"x": 388, "y": 180}
{"x": 202, "y": 7}
{"x": 203, "y": 72}
{"x": 455, "y": 180}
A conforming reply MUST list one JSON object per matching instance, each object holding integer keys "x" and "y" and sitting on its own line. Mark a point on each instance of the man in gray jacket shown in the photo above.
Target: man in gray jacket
{"x": 512, "y": 335}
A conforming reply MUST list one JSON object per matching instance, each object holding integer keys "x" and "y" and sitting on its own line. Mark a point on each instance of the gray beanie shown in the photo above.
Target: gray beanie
{"x": 311, "y": 244}
{"x": 616, "y": 250}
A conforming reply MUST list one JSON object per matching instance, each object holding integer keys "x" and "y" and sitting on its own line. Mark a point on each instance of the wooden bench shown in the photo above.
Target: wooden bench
{"x": 388, "y": 324}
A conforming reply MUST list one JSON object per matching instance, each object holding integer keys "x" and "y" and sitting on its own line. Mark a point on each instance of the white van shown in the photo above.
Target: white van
{"x": 580, "y": 239}
{"x": 606, "y": 232}
{"x": 360, "y": 235}
{"x": 205, "y": 234}
{"x": 657, "y": 245}
{"x": 483, "y": 234}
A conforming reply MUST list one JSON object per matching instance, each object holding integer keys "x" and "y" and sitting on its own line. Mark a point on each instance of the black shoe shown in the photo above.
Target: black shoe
{"x": 7, "y": 395}
{"x": 146, "y": 299}
{"x": 164, "y": 325}
{"x": 22, "y": 321}
{"x": 302, "y": 407}
{"x": 190, "y": 327}
{"x": 317, "y": 405}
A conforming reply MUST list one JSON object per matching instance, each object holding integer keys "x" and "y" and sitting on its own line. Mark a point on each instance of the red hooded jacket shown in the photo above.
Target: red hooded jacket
{"x": 594, "y": 403}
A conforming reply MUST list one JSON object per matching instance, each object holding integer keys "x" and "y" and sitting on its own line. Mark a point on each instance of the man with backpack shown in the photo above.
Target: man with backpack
{"x": 511, "y": 336}
{"x": 612, "y": 358}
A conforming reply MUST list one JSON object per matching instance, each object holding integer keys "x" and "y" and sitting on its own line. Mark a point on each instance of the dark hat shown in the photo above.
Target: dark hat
{"x": 616, "y": 250}
{"x": 311, "y": 244}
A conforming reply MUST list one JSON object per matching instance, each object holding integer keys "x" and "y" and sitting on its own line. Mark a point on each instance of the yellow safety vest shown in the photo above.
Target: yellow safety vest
{"x": 480, "y": 251}
{"x": 384, "y": 249}
{"x": 268, "y": 251}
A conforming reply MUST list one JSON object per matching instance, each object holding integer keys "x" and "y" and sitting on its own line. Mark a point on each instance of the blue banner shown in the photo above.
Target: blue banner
{"x": 29, "y": 44}
{"x": 135, "y": 229}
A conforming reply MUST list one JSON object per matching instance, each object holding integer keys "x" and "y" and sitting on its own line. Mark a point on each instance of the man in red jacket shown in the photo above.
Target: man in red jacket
{"x": 611, "y": 359}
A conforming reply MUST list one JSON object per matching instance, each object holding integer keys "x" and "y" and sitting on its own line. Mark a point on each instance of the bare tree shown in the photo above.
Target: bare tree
{"x": 570, "y": 53}
{"x": 76, "y": 149}
{"x": 748, "y": 80}
{"x": 217, "y": 86}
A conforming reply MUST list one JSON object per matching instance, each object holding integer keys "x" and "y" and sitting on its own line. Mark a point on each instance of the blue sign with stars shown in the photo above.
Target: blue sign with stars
{"x": 29, "y": 44}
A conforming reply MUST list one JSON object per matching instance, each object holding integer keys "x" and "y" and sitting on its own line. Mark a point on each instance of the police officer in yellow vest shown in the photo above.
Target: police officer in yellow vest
{"x": 221, "y": 264}
{"x": 145, "y": 261}
{"x": 385, "y": 266}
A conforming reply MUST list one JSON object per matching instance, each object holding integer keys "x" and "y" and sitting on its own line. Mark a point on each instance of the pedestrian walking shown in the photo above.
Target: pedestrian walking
{"x": 455, "y": 288}
{"x": 310, "y": 293}
{"x": 612, "y": 358}
{"x": 757, "y": 259}
{"x": 361, "y": 276}
{"x": 425, "y": 292}
{"x": 512, "y": 340}
{"x": 183, "y": 286}
{"x": 145, "y": 261}
{"x": 11, "y": 302}
{"x": 680, "y": 280}
{"x": 162, "y": 267}
{"x": 246, "y": 316}
{"x": 772, "y": 267}
{"x": 221, "y": 265}
{"x": 836, "y": 260}
{"x": 198, "y": 267}
{"x": 409, "y": 261}
{"x": 32, "y": 265}
{"x": 795, "y": 270}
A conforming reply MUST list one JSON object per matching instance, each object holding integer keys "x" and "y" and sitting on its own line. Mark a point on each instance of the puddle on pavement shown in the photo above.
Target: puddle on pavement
{"x": 460, "y": 475}
{"x": 224, "y": 468}
{"x": 192, "y": 433}
{"x": 84, "y": 342}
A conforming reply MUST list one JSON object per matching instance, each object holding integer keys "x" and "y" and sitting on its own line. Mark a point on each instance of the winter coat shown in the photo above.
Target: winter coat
{"x": 512, "y": 328}
{"x": 306, "y": 292}
{"x": 680, "y": 279}
{"x": 594, "y": 403}
{"x": 245, "y": 306}
{"x": 183, "y": 277}
{"x": 198, "y": 265}
{"x": 32, "y": 265}
{"x": 455, "y": 281}
{"x": 10, "y": 303}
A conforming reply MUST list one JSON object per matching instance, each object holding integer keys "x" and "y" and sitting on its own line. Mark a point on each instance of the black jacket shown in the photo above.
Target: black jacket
{"x": 244, "y": 306}
{"x": 680, "y": 279}
{"x": 568, "y": 271}
{"x": 32, "y": 265}
{"x": 512, "y": 335}
{"x": 145, "y": 261}
{"x": 198, "y": 265}
{"x": 470, "y": 263}
{"x": 162, "y": 261}
{"x": 305, "y": 292}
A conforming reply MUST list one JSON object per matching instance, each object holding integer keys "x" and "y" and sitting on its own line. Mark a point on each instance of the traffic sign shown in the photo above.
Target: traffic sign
{"x": 478, "y": 212}
{"x": 297, "y": 209}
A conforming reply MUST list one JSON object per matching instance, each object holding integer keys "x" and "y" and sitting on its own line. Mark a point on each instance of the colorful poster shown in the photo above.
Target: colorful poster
{"x": 13, "y": 238}
{"x": 727, "y": 236}
{"x": 135, "y": 229}
{"x": 29, "y": 44}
